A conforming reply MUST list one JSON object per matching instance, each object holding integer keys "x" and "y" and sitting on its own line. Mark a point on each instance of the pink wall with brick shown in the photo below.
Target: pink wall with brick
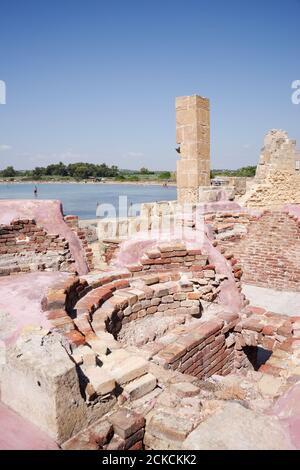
{"x": 270, "y": 251}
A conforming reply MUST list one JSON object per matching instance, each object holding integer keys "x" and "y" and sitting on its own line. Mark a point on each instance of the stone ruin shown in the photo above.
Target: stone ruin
{"x": 193, "y": 137}
{"x": 193, "y": 167}
{"x": 279, "y": 153}
{"x": 277, "y": 179}
{"x": 160, "y": 349}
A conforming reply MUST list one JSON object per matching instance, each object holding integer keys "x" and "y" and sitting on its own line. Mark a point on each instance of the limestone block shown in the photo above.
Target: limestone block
{"x": 40, "y": 382}
{"x": 98, "y": 346}
{"x": 270, "y": 385}
{"x": 101, "y": 381}
{"x": 167, "y": 426}
{"x": 238, "y": 428}
{"x": 155, "y": 443}
{"x": 130, "y": 369}
{"x": 188, "y": 173}
{"x": 141, "y": 386}
{"x": 185, "y": 389}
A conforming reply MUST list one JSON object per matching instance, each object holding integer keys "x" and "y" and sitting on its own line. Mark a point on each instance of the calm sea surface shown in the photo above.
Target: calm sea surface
{"x": 82, "y": 199}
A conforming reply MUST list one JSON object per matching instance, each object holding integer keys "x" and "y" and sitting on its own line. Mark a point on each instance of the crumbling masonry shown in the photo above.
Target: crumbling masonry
{"x": 277, "y": 179}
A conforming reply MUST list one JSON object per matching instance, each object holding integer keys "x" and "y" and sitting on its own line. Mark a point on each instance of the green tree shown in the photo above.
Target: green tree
{"x": 58, "y": 169}
{"x": 9, "y": 172}
{"x": 38, "y": 172}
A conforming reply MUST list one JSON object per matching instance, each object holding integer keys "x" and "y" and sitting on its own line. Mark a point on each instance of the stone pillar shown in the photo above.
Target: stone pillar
{"x": 193, "y": 137}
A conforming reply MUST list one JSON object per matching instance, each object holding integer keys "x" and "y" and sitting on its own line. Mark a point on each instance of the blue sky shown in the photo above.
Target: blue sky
{"x": 96, "y": 81}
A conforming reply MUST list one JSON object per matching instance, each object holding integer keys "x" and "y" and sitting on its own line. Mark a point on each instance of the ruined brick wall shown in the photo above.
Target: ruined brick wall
{"x": 229, "y": 225}
{"x": 72, "y": 222}
{"x": 206, "y": 351}
{"x": 171, "y": 256}
{"x": 269, "y": 252}
{"x": 267, "y": 330}
{"x": 25, "y": 247}
{"x": 110, "y": 249}
{"x": 175, "y": 256}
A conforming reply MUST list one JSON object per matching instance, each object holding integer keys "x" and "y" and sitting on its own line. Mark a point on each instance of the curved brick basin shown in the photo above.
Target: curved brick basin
{"x": 194, "y": 254}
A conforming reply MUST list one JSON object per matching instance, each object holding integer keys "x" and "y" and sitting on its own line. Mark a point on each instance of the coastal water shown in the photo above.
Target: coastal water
{"x": 82, "y": 199}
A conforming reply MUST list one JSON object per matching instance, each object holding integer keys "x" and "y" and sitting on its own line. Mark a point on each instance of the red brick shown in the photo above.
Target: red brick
{"x": 197, "y": 268}
{"x": 194, "y": 252}
{"x": 134, "y": 438}
{"x": 172, "y": 352}
{"x": 79, "y": 442}
{"x": 137, "y": 446}
{"x": 83, "y": 325}
{"x": 209, "y": 266}
{"x": 252, "y": 324}
{"x": 53, "y": 314}
{"x": 268, "y": 330}
{"x": 289, "y": 345}
{"x": 126, "y": 422}
{"x": 268, "y": 343}
{"x": 134, "y": 268}
{"x": 209, "y": 328}
{"x": 193, "y": 295}
{"x": 121, "y": 284}
{"x": 117, "y": 443}
{"x": 228, "y": 317}
{"x": 98, "y": 296}
{"x": 75, "y": 338}
{"x": 256, "y": 310}
{"x": 100, "y": 432}
{"x": 271, "y": 370}
{"x": 54, "y": 300}
{"x": 238, "y": 274}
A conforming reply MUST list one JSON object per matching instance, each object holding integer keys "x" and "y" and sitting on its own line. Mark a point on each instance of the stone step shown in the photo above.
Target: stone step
{"x": 115, "y": 357}
{"x": 141, "y": 386}
{"x": 108, "y": 340}
{"x": 100, "y": 380}
{"x": 129, "y": 369}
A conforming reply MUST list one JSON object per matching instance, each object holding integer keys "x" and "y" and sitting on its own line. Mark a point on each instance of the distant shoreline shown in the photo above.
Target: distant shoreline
{"x": 137, "y": 183}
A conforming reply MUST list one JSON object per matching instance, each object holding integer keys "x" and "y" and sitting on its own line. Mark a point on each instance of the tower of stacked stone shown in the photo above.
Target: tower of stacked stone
{"x": 193, "y": 137}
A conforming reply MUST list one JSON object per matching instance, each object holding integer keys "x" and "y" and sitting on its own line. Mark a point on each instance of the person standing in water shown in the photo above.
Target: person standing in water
{"x": 35, "y": 191}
